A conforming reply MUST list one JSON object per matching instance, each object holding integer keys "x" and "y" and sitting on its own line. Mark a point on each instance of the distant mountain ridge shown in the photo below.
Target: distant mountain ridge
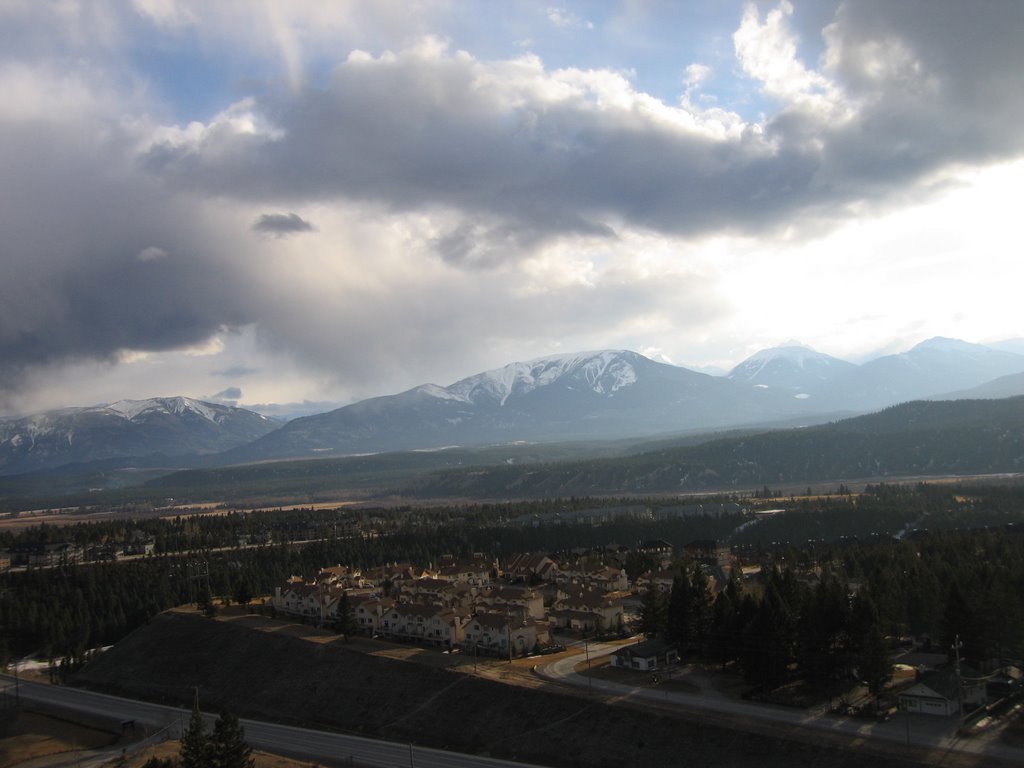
{"x": 603, "y": 394}
{"x": 609, "y": 394}
{"x": 171, "y": 426}
{"x": 930, "y": 368}
{"x": 599, "y": 395}
{"x": 1005, "y": 386}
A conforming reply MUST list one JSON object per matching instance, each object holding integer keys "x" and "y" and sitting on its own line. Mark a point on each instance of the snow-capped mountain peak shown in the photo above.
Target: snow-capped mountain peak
{"x": 791, "y": 367}
{"x": 132, "y": 409}
{"x": 796, "y": 355}
{"x": 174, "y": 426}
{"x": 940, "y": 345}
{"x": 605, "y": 372}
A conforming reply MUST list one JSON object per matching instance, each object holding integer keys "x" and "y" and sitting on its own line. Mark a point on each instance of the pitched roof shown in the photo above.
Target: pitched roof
{"x": 941, "y": 681}
{"x": 646, "y": 649}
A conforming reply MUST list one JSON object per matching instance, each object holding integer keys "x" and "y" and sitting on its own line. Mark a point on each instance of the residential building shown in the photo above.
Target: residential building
{"x": 647, "y": 656}
{"x": 532, "y": 568}
{"x": 424, "y": 624}
{"x": 495, "y": 633}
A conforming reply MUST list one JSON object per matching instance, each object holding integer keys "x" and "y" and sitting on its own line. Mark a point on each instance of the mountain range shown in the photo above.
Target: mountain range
{"x": 128, "y": 429}
{"x": 592, "y": 395}
{"x": 602, "y": 395}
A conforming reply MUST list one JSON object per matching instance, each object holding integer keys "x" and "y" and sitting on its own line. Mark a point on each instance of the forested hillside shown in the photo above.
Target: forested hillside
{"x": 63, "y": 611}
{"x": 918, "y": 438}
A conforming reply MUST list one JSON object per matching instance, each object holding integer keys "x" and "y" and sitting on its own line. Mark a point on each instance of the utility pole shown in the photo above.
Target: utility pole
{"x": 959, "y": 677}
{"x": 320, "y": 599}
{"x": 508, "y": 628}
{"x": 197, "y": 570}
{"x": 590, "y": 678}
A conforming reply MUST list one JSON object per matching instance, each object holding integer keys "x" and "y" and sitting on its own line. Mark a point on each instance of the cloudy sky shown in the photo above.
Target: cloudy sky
{"x": 282, "y": 201}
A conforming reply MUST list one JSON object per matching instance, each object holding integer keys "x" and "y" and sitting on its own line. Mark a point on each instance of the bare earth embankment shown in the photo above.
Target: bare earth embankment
{"x": 268, "y": 673}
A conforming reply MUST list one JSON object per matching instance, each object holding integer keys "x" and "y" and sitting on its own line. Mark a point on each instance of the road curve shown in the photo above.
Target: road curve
{"x": 925, "y": 731}
{"x": 302, "y": 743}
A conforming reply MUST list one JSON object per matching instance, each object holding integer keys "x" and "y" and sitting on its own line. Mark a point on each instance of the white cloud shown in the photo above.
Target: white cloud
{"x": 565, "y": 19}
{"x": 767, "y": 51}
{"x": 151, "y": 253}
{"x": 946, "y": 267}
{"x": 166, "y": 13}
{"x": 696, "y": 74}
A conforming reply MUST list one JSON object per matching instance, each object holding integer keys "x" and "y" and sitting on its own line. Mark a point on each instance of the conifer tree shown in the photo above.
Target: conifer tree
{"x": 766, "y": 651}
{"x": 722, "y": 643}
{"x": 823, "y": 643}
{"x": 228, "y": 748}
{"x": 345, "y": 624}
{"x": 869, "y": 652}
{"x": 700, "y": 609}
{"x": 195, "y": 745}
{"x": 678, "y": 619}
{"x": 653, "y": 613}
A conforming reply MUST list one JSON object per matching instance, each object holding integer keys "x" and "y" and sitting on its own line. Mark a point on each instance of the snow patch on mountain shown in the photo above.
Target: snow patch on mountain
{"x": 132, "y": 409}
{"x": 797, "y": 356}
{"x": 175, "y": 426}
{"x": 604, "y": 372}
{"x": 789, "y": 366}
{"x": 432, "y": 390}
{"x": 945, "y": 344}
{"x": 940, "y": 348}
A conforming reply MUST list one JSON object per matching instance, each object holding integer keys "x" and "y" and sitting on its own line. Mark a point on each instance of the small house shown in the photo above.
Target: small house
{"x": 647, "y": 656}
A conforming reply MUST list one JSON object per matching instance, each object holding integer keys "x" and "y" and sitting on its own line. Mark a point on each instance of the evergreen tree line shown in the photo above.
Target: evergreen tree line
{"x": 833, "y": 630}
{"x": 191, "y": 532}
{"x": 61, "y": 612}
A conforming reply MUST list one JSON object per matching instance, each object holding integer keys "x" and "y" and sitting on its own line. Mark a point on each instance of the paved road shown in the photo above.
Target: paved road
{"x": 281, "y": 739}
{"x": 936, "y": 733}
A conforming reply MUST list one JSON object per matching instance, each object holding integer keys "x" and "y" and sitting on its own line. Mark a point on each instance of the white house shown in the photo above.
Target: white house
{"x": 937, "y": 693}
{"x": 648, "y": 656}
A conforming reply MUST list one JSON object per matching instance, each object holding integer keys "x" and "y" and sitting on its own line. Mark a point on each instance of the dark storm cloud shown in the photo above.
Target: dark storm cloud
{"x": 235, "y": 371}
{"x": 231, "y": 393}
{"x": 95, "y": 261}
{"x": 941, "y": 86}
{"x": 281, "y": 224}
{"x": 931, "y": 84}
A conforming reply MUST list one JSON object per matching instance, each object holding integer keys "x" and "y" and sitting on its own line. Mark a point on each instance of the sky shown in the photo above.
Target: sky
{"x": 273, "y": 202}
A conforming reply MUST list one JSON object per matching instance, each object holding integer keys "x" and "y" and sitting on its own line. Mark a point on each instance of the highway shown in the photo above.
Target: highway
{"x": 301, "y": 743}
{"x": 927, "y": 731}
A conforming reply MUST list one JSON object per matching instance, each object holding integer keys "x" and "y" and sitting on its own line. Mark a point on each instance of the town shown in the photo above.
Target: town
{"x": 912, "y": 608}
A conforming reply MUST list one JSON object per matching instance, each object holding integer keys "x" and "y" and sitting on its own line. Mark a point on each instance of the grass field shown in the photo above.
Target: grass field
{"x": 28, "y": 735}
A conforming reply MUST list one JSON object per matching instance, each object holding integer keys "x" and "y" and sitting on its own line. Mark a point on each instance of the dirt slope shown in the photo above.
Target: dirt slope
{"x": 273, "y": 676}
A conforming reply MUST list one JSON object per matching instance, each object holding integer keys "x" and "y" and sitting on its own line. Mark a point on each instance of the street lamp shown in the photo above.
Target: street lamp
{"x": 590, "y": 678}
